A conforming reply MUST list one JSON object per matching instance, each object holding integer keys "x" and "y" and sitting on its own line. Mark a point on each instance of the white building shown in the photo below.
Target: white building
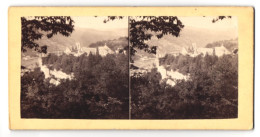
{"x": 220, "y": 51}
{"x": 74, "y": 50}
{"x": 67, "y": 51}
{"x": 184, "y": 51}
{"x": 103, "y": 51}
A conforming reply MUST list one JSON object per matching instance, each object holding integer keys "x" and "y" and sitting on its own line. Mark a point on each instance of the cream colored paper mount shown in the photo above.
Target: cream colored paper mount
{"x": 244, "y": 121}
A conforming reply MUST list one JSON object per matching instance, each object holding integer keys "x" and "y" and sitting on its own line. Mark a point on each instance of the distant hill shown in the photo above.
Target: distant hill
{"x": 229, "y": 44}
{"x": 83, "y": 35}
{"x": 112, "y": 44}
{"x": 189, "y": 35}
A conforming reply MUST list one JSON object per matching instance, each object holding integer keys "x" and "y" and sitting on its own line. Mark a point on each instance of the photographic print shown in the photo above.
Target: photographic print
{"x": 74, "y": 68}
{"x": 184, "y": 67}
{"x": 181, "y": 67}
{"x": 131, "y": 67}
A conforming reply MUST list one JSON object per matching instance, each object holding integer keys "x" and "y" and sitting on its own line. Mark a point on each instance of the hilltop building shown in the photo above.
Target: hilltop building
{"x": 184, "y": 51}
{"x": 103, "y": 51}
{"x": 220, "y": 51}
{"x": 76, "y": 50}
{"x": 67, "y": 51}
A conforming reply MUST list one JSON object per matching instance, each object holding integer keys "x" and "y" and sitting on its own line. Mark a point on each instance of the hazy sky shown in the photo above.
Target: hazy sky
{"x": 97, "y": 23}
{"x": 196, "y": 21}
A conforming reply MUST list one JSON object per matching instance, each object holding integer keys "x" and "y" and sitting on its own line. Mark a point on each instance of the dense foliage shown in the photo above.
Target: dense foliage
{"x": 34, "y": 28}
{"x": 210, "y": 92}
{"x": 99, "y": 89}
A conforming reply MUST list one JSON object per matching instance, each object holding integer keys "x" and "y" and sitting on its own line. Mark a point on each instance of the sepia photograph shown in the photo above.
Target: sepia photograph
{"x": 74, "y": 67}
{"x": 131, "y": 67}
{"x": 184, "y": 67}
{"x": 180, "y": 67}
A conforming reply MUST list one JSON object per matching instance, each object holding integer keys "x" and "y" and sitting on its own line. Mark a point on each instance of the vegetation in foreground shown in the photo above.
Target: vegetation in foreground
{"x": 99, "y": 89}
{"x": 211, "y": 92}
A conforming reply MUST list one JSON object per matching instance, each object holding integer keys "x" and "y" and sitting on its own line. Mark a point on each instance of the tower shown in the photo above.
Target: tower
{"x": 78, "y": 48}
{"x": 194, "y": 48}
{"x": 97, "y": 51}
{"x": 157, "y": 62}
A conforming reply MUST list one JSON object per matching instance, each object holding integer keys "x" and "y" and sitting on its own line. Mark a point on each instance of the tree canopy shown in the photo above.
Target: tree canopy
{"x": 34, "y": 28}
{"x": 143, "y": 28}
{"x": 220, "y": 18}
{"x": 210, "y": 92}
{"x": 99, "y": 88}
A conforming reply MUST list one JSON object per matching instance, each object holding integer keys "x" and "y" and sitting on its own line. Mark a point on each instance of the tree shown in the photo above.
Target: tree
{"x": 143, "y": 28}
{"x": 220, "y": 18}
{"x": 34, "y": 28}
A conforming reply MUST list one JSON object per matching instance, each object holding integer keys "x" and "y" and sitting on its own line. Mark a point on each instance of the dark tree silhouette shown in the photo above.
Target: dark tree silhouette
{"x": 220, "y": 18}
{"x": 143, "y": 28}
{"x": 34, "y": 28}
